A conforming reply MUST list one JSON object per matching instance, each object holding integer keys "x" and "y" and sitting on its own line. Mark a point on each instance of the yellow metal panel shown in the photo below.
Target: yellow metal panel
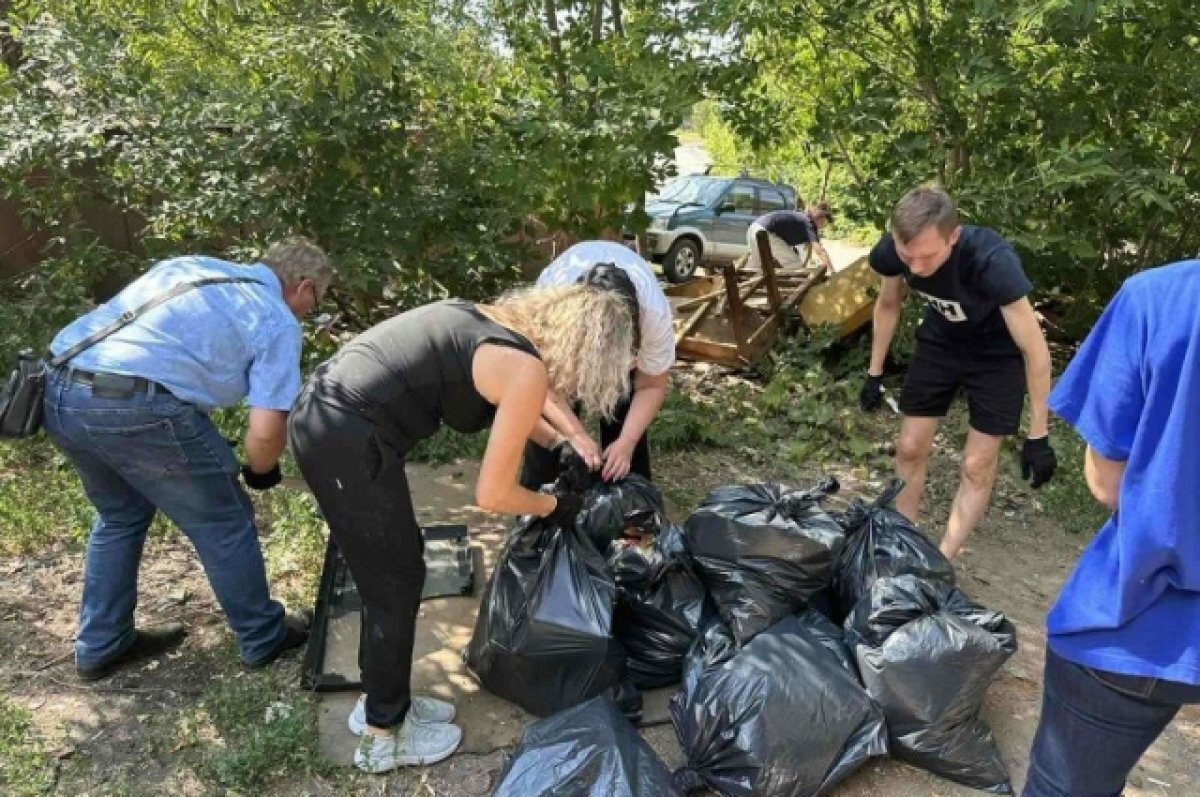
{"x": 846, "y": 300}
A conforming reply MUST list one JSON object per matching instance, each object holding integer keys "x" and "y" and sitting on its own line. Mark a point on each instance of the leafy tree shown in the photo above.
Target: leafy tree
{"x": 414, "y": 139}
{"x": 1067, "y": 124}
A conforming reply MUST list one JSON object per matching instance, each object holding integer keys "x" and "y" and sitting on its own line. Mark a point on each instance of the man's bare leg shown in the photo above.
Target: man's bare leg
{"x": 974, "y": 490}
{"x": 912, "y": 460}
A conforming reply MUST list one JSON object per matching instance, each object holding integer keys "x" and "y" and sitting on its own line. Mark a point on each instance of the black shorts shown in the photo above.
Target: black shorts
{"x": 994, "y": 382}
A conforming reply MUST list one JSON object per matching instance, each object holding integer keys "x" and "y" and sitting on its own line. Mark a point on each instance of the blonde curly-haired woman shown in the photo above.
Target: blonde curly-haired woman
{"x": 468, "y": 366}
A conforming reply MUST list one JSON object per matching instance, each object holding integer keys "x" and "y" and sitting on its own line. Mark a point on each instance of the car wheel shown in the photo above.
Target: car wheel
{"x": 682, "y": 260}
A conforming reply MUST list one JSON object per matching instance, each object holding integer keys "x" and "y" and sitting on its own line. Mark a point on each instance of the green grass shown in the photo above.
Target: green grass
{"x": 293, "y": 541}
{"x": 265, "y": 729}
{"x": 246, "y": 731}
{"x": 41, "y": 500}
{"x": 26, "y": 768}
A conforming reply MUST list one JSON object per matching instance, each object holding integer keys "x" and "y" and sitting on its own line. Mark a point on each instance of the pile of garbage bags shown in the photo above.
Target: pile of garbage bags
{"x": 807, "y": 641}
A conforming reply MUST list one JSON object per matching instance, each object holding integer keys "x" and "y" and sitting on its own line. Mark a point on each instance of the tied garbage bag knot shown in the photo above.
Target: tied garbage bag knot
{"x": 543, "y": 637}
{"x": 881, "y": 542}
{"x": 763, "y": 551}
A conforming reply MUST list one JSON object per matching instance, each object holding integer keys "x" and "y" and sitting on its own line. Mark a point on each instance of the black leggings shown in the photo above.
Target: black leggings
{"x": 539, "y": 466}
{"x": 360, "y": 485}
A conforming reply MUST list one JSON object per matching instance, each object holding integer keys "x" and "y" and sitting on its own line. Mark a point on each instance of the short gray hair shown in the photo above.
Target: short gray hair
{"x": 923, "y": 207}
{"x": 296, "y": 258}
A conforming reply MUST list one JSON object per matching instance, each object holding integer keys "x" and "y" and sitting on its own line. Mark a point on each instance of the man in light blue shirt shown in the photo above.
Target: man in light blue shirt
{"x": 131, "y": 413}
{"x": 1123, "y": 640}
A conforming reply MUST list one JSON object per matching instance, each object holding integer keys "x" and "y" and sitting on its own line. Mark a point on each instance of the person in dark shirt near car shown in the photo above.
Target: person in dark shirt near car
{"x": 788, "y": 231}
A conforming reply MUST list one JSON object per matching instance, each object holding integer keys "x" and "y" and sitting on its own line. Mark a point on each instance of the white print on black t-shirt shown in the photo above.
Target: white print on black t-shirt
{"x": 951, "y": 310}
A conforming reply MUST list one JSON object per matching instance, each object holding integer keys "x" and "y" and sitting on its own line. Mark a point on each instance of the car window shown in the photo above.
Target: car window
{"x": 688, "y": 190}
{"x": 770, "y": 200}
{"x": 742, "y": 199}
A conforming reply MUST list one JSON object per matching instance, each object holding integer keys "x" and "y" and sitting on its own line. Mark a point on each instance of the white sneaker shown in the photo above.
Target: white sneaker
{"x": 423, "y": 710}
{"x": 411, "y": 744}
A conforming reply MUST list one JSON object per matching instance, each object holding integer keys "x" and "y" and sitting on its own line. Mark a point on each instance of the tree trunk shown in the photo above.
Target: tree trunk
{"x": 10, "y": 49}
{"x": 617, "y": 21}
{"x": 854, "y": 172}
{"x": 597, "y": 22}
{"x": 560, "y": 75}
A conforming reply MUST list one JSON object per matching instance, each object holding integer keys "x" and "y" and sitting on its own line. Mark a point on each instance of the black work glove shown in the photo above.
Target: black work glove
{"x": 871, "y": 395}
{"x": 573, "y": 472}
{"x": 567, "y": 506}
{"x": 262, "y": 481}
{"x": 1038, "y": 461}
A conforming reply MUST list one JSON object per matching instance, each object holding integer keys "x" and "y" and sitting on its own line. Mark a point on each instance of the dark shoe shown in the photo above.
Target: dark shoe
{"x": 147, "y": 643}
{"x": 296, "y": 626}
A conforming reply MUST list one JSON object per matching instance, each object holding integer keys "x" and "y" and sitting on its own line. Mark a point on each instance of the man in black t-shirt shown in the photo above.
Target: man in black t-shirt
{"x": 788, "y": 230}
{"x": 979, "y": 334}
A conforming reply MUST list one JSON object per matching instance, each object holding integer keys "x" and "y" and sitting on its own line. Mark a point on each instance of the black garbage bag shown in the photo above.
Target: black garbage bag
{"x": 661, "y": 606}
{"x": 784, "y": 716}
{"x": 881, "y": 542}
{"x": 610, "y": 509}
{"x": 763, "y": 550}
{"x": 590, "y": 750}
{"x": 927, "y": 654}
{"x": 543, "y": 638}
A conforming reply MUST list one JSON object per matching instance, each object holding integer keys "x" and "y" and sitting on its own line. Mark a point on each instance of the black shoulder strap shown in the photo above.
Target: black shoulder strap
{"x": 129, "y": 316}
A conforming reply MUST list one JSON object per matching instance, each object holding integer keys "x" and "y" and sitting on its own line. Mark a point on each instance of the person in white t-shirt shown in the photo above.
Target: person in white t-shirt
{"x": 624, "y": 446}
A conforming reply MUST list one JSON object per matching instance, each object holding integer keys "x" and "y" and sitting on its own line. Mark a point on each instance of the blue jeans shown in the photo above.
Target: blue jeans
{"x": 1094, "y": 727}
{"x": 147, "y": 452}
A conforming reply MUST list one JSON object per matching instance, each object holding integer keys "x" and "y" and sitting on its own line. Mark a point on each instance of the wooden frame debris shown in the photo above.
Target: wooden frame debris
{"x": 733, "y": 318}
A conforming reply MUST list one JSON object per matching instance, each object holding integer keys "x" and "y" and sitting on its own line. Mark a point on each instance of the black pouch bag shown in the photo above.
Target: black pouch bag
{"x": 21, "y": 397}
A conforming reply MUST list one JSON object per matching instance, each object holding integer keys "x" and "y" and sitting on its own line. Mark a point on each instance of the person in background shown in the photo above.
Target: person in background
{"x": 788, "y": 231}
{"x": 1123, "y": 639}
{"x": 979, "y": 334}
{"x": 624, "y": 445}
{"x": 131, "y": 413}
{"x": 470, "y": 367}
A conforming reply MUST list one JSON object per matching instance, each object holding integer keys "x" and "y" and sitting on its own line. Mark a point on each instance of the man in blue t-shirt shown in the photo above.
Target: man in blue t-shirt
{"x": 131, "y": 414}
{"x": 979, "y": 335}
{"x": 1123, "y": 651}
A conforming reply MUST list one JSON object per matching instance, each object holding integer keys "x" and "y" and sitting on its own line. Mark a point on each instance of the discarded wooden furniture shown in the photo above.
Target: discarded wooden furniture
{"x": 733, "y": 318}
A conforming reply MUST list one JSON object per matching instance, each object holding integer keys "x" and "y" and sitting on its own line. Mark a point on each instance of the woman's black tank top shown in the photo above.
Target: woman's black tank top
{"x": 412, "y": 373}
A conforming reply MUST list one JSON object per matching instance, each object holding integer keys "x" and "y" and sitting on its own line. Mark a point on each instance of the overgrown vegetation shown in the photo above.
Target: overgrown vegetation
{"x": 425, "y": 144}
{"x": 1054, "y": 121}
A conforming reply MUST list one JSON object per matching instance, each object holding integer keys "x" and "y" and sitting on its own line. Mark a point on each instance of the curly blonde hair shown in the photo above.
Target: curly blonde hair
{"x": 585, "y": 338}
